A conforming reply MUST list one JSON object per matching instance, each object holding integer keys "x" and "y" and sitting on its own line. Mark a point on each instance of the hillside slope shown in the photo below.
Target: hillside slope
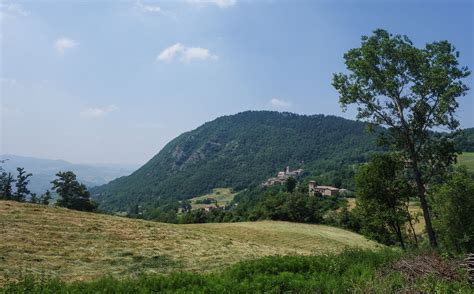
{"x": 237, "y": 151}
{"x": 76, "y": 245}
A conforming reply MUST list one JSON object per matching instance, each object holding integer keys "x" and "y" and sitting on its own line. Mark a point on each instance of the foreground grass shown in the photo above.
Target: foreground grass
{"x": 349, "y": 272}
{"x": 52, "y": 242}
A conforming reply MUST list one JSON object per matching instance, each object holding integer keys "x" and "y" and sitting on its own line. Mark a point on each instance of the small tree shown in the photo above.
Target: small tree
{"x": 382, "y": 196}
{"x": 34, "y": 198}
{"x": 453, "y": 210}
{"x": 72, "y": 194}
{"x": 410, "y": 91}
{"x": 6, "y": 186}
{"x": 22, "y": 185}
{"x": 45, "y": 198}
{"x": 185, "y": 206}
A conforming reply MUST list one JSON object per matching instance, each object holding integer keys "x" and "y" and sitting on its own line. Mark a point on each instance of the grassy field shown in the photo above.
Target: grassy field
{"x": 467, "y": 159}
{"x": 72, "y": 245}
{"x": 223, "y": 196}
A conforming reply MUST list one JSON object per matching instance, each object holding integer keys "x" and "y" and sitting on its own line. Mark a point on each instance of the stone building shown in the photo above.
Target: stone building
{"x": 283, "y": 176}
{"x": 324, "y": 190}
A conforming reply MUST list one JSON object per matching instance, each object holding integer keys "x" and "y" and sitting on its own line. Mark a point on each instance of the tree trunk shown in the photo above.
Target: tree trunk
{"x": 424, "y": 204}
{"x": 410, "y": 219}
{"x": 398, "y": 230}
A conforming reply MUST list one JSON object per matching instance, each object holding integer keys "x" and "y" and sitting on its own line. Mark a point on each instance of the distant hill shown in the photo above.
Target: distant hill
{"x": 240, "y": 150}
{"x": 73, "y": 245}
{"x": 44, "y": 171}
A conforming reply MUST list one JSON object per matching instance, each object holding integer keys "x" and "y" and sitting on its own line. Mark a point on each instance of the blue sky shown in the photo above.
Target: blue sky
{"x": 114, "y": 81}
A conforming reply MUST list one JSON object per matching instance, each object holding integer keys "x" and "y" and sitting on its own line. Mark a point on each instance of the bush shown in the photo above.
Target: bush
{"x": 453, "y": 212}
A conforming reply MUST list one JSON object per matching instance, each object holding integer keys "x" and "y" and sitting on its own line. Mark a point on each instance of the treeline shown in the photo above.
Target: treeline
{"x": 289, "y": 202}
{"x": 385, "y": 194}
{"x": 72, "y": 194}
{"x": 16, "y": 188}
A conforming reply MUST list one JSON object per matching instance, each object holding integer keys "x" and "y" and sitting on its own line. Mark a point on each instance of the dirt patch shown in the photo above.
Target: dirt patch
{"x": 422, "y": 265}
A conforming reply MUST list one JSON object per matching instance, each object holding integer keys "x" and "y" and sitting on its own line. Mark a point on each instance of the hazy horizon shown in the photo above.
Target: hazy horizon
{"x": 113, "y": 82}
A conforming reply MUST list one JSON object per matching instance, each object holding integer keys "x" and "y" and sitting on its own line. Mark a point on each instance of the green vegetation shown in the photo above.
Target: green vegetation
{"x": 74, "y": 245}
{"x": 237, "y": 151}
{"x": 72, "y": 194}
{"x": 465, "y": 141}
{"x": 383, "y": 195}
{"x": 384, "y": 271}
{"x": 280, "y": 202}
{"x": 453, "y": 207}
{"x": 410, "y": 91}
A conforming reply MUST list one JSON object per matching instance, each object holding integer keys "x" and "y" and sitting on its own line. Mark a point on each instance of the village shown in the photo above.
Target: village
{"x": 213, "y": 201}
{"x": 313, "y": 188}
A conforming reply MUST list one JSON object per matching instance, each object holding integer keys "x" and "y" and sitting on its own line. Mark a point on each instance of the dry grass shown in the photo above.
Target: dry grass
{"x": 72, "y": 245}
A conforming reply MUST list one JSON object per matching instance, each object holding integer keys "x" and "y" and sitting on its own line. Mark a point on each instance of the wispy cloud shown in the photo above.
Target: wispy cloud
{"x": 62, "y": 44}
{"x": 185, "y": 54}
{"x": 98, "y": 112}
{"x": 12, "y": 10}
{"x": 279, "y": 103}
{"x": 147, "y": 8}
{"x": 220, "y": 3}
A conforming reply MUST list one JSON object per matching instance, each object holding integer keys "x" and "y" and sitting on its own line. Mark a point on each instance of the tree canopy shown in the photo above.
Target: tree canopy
{"x": 412, "y": 92}
{"x": 72, "y": 194}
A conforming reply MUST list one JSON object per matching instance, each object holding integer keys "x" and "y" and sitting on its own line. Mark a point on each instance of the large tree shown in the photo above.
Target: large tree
{"x": 411, "y": 91}
{"x": 72, "y": 194}
{"x": 22, "y": 182}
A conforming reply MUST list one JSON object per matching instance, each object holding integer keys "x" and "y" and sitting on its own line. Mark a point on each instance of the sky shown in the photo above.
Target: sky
{"x": 114, "y": 81}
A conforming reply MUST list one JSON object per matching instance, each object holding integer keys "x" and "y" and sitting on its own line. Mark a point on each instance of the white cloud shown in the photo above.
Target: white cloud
{"x": 220, "y": 3}
{"x": 98, "y": 112}
{"x": 12, "y": 10}
{"x": 197, "y": 53}
{"x": 147, "y": 8}
{"x": 62, "y": 44}
{"x": 169, "y": 53}
{"x": 278, "y": 103}
{"x": 186, "y": 54}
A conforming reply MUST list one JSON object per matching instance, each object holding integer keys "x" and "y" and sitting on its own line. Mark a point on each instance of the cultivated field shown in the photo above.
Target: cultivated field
{"x": 222, "y": 196}
{"x": 74, "y": 245}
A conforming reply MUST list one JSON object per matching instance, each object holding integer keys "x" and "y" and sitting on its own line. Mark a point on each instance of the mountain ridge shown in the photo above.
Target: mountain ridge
{"x": 239, "y": 150}
{"x": 44, "y": 171}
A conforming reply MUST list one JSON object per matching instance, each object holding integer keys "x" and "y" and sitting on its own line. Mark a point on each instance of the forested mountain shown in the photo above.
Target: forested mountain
{"x": 239, "y": 150}
{"x": 44, "y": 171}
